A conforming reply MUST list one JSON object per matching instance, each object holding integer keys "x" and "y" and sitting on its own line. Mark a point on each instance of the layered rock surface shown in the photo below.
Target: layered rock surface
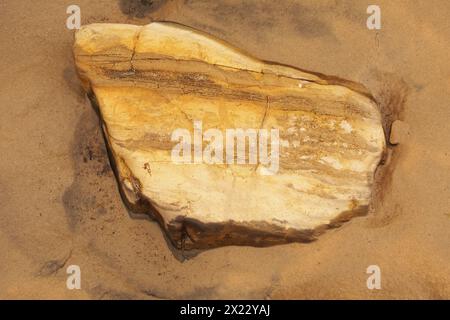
{"x": 151, "y": 83}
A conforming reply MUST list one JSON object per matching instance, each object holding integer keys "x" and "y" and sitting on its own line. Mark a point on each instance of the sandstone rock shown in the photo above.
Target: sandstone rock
{"x": 318, "y": 140}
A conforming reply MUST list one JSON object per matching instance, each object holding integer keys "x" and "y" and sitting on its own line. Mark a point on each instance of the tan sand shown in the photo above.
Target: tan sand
{"x": 59, "y": 203}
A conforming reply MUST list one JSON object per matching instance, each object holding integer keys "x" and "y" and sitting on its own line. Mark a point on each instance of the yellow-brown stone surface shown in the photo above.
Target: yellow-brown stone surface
{"x": 150, "y": 81}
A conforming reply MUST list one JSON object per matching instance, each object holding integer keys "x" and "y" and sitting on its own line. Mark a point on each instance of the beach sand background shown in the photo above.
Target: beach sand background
{"x": 59, "y": 203}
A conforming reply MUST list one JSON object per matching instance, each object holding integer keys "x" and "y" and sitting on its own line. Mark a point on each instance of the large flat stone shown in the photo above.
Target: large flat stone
{"x": 150, "y": 81}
